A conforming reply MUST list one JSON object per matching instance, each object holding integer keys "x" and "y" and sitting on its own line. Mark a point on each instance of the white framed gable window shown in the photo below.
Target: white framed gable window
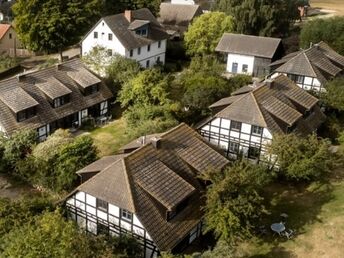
{"x": 256, "y": 130}
{"x": 102, "y": 205}
{"x": 126, "y": 215}
{"x": 95, "y": 34}
{"x": 235, "y": 125}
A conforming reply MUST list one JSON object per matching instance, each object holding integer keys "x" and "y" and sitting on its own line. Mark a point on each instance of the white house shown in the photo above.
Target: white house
{"x": 244, "y": 123}
{"x": 248, "y": 54}
{"x": 134, "y": 34}
{"x": 62, "y": 96}
{"x": 151, "y": 193}
{"x": 310, "y": 69}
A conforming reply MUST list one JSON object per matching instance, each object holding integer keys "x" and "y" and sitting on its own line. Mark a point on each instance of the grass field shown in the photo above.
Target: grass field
{"x": 316, "y": 213}
{"x": 110, "y": 138}
{"x": 335, "y": 5}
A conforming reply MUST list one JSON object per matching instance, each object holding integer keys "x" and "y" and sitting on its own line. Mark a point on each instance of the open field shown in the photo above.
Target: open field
{"x": 316, "y": 213}
{"x": 335, "y": 5}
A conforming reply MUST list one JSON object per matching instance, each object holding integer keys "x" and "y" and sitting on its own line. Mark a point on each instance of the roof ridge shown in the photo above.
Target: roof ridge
{"x": 256, "y": 102}
{"x": 126, "y": 175}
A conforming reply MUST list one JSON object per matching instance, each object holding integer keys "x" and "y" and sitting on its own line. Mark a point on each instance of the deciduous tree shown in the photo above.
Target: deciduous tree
{"x": 334, "y": 95}
{"x": 51, "y": 25}
{"x": 260, "y": 17}
{"x": 329, "y": 30}
{"x": 232, "y": 200}
{"x": 204, "y": 33}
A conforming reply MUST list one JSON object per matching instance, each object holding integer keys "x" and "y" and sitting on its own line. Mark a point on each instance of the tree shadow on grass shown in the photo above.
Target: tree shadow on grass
{"x": 302, "y": 202}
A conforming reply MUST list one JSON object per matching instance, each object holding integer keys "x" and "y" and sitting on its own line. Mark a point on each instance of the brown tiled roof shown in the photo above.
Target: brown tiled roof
{"x": 3, "y": 29}
{"x": 24, "y": 90}
{"x": 129, "y": 39}
{"x": 178, "y": 16}
{"x": 83, "y": 77}
{"x": 276, "y": 105}
{"x": 225, "y": 101}
{"x": 53, "y": 88}
{"x": 101, "y": 164}
{"x": 17, "y": 99}
{"x": 139, "y": 142}
{"x": 163, "y": 184}
{"x": 150, "y": 178}
{"x": 318, "y": 61}
{"x": 244, "y": 109}
{"x": 248, "y": 45}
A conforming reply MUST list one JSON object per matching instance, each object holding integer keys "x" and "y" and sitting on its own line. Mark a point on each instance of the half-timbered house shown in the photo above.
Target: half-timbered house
{"x": 62, "y": 96}
{"x": 311, "y": 68}
{"x": 244, "y": 123}
{"x": 151, "y": 193}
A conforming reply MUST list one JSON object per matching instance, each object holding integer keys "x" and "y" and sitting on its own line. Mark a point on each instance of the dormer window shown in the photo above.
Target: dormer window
{"x": 26, "y": 114}
{"x": 91, "y": 89}
{"x": 58, "y": 102}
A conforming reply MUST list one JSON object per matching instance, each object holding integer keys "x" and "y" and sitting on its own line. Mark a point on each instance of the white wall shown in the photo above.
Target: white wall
{"x": 309, "y": 83}
{"x": 240, "y": 60}
{"x": 182, "y": 2}
{"x": 222, "y": 134}
{"x": 103, "y": 31}
{"x": 151, "y": 55}
{"x": 117, "y": 48}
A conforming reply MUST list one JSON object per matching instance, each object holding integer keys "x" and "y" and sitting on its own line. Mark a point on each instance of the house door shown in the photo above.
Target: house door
{"x": 234, "y": 67}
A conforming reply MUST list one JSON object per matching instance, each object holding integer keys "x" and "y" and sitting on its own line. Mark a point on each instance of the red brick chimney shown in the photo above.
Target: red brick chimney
{"x": 128, "y": 15}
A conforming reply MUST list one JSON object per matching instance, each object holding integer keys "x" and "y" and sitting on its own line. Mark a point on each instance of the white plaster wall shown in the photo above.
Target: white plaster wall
{"x": 91, "y": 200}
{"x": 151, "y": 55}
{"x": 241, "y": 60}
{"x": 114, "y": 210}
{"x": 103, "y": 30}
{"x": 245, "y": 128}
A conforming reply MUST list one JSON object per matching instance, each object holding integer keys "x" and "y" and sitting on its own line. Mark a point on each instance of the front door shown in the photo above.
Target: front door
{"x": 234, "y": 67}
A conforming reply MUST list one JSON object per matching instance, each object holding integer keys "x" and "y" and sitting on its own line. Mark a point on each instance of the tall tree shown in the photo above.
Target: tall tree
{"x": 204, "y": 33}
{"x": 329, "y": 30}
{"x": 51, "y": 25}
{"x": 233, "y": 201}
{"x": 334, "y": 95}
{"x": 118, "y": 6}
{"x": 260, "y": 17}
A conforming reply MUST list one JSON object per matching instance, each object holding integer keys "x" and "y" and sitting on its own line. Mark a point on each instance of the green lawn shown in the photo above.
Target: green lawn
{"x": 110, "y": 138}
{"x": 315, "y": 211}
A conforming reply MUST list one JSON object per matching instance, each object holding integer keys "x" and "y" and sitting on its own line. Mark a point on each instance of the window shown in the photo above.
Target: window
{"x": 102, "y": 205}
{"x": 109, "y": 52}
{"x": 95, "y": 35}
{"x": 91, "y": 89}
{"x": 257, "y": 130}
{"x": 110, "y": 36}
{"x": 148, "y": 47}
{"x": 244, "y": 68}
{"x": 126, "y": 215}
{"x": 159, "y": 44}
{"x": 233, "y": 147}
{"x": 144, "y": 32}
{"x": 147, "y": 64}
{"x": 131, "y": 53}
{"x": 26, "y": 114}
{"x": 158, "y": 59}
{"x": 138, "y": 32}
{"x": 234, "y": 67}
{"x": 253, "y": 152}
{"x": 10, "y": 35}
{"x": 58, "y": 102}
{"x": 297, "y": 78}
{"x": 139, "y": 51}
{"x": 235, "y": 126}
{"x": 102, "y": 23}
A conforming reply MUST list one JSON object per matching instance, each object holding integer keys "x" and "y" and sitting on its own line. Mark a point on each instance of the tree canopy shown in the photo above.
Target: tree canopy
{"x": 204, "y": 33}
{"x": 51, "y": 25}
{"x": 302, "y": 158}
{"x": 329, "y": 30}
{"x": 232, "y": 200}
{"x": 260, "y": 17}
{"x": 148, "y": 87}
{"x": 334, "y": 95}
{"x": 118, "y": 6}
